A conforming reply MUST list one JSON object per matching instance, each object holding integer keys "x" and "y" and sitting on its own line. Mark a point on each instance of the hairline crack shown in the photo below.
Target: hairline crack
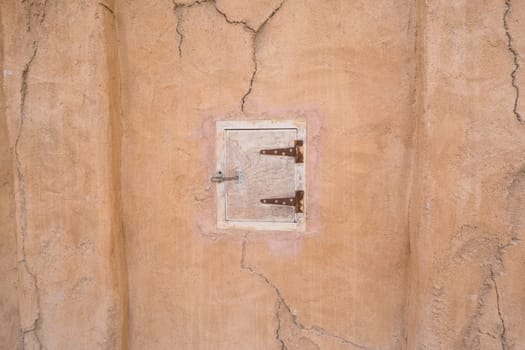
{"x": 515, "y": 60}
{"x": 281, "y": 302}
{"x": 254, "y": 32}
{"x": 22, "y": 194}
{"x": 502, "y": 336}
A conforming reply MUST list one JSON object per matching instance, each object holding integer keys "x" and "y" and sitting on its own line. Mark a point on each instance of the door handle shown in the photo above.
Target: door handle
{"x": 219, "y": 178}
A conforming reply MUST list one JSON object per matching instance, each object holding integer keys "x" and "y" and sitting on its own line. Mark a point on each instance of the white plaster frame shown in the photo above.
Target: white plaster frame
{"x": 300, "y": 174}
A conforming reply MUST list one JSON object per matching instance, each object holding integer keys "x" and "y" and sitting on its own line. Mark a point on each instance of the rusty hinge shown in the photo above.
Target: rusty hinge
{"x": 296, "y": 151}
{"x": 297, "y": 201}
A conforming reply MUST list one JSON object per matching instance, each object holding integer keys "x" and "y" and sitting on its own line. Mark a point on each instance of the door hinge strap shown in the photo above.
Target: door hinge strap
{"x": 297, "y": 202}
{"x": 296, "y": 151}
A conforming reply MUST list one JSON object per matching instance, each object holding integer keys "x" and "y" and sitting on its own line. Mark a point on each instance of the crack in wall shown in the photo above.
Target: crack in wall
{"x": 32, "y": 330}
{"x": 282, "y": 305}
{"x": 178, "y": 30}
{"x": 495, "y": 265}
{"x": 106, "y": 6}
{"x": 489, "y": 283}
{"x": 498, "y": 265}
{"x": 34, "y": 10}
{"x": 502, "y": 336}
{"x": 278, "y": 329}
{"x": 488, "y": 334}
{"x": 177, "y": 9}
{"x": 515, "y": 60}
{"x": 254, "y": 32}
{"x": 471, "y": 341}
{"x": 254, "y": 53}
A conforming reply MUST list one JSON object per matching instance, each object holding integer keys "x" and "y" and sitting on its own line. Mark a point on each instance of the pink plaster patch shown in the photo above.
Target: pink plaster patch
{"x": 286, "y": 242}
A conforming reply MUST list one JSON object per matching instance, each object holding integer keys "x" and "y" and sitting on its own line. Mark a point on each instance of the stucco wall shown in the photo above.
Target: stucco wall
{"x": 334, "y": 64}
{"x": 60, "y": 87}
{"x": 416, "y": 180}
{"x": 9, "y": 313}
{"x": 467, "y": 208}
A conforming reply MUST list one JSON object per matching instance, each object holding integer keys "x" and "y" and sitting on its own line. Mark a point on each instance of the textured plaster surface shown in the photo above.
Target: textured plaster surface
{"x": 59, "y": 103}
{"x": 187, "y": 64}
{"x": 415, "y": 175}
{"x": 10, "y": 330}
{"x": 468, "y": 198}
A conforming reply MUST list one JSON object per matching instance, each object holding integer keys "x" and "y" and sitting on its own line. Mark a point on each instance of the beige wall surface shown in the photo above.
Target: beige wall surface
{"x": 10, "y": 332}
{"x": 335, "y": 64}
{"x": 415, "y": 174}
{"x": 59, "y": 103}
{"x": 468, "y": 204}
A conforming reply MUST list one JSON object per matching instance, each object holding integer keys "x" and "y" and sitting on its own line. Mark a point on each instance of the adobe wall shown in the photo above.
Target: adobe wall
{"x": 60, "y": 87}
{"x": 468, "y": 198}
{"x": 345, "y": 67}
{"x": 416, "y": 180}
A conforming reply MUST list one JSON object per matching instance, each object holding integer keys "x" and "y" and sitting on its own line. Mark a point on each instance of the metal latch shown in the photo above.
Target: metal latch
{"x": 296, "y": 151}
{"x": 297, "y": 201}
{"x": 239, "y": 177}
